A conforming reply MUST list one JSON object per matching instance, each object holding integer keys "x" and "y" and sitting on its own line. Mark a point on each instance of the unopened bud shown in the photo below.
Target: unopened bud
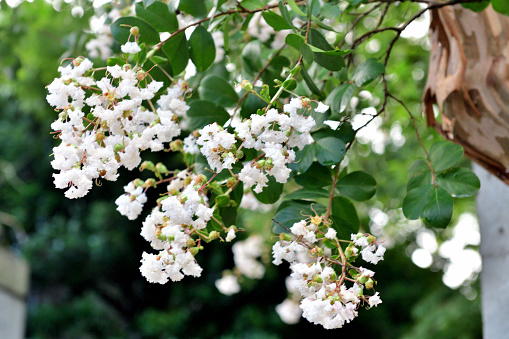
{"x": 213, "y": 235}
{"x": 99, "y": 137}
{"x": 118, "y": 147}
{"x": 161, "y": 168}
{"x": 246, "y": 85}
{"x": 194, "y": 250}
{"x": 239, "y": 154}
{"x": 177, "y": 145}
{"x": 231, "y": 182}
{"x": 162, "y": 237}
{"x": 76, "y": 62}
{"x": 190, "y": 243}
{"x": 369, "y": 284}
{"x": 260, "y": 164}
{"x": 134, "y": 31}
{"x": 138, "y": 182}
{"x": 149, "y": 183}
{"x": 149, "y": 165}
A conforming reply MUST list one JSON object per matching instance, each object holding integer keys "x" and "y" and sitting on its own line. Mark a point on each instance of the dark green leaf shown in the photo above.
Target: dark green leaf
{"x": 251, "y": 105}
{"x": 415, "y": 200}
{"x": 315, "y": 177}
{"x": 444, "y": 154}
{"x": 331, "y": 62}
{"x": 275, "y": 21}
{"x": 309, "y": 82}
{"x": 271, "y": 193}
{"x": 251, "y": 60}
{"x": 238, "y": 193}
{"x": 196, "y": 8}
{"x": 285, "y": 14}
{"x": 304, "y": 158}
{"x": 201, "y": 48}
{"x": 308, "y": 194}
{"x": 291, "y": 211}
{"x": 340, "y": 97}
{"x": 346, "y": 132}
{"x": 229, "y": 215}
{"x": 344, "y": 217}
{"x": 214, "y": 224}
{"x": 217, "y": 89}
{"x": 501, "y": 6}
{"x": 159, "y": 16}
{"x": 203, "y": 112}
{"x": 368, "y": 71}
{"x": 147, "y": 3}
{"x": 358, "y": 186}
{"x": 419, "y": 174}
{"x": 330, "y": 151}
{"x": 437, "y": 211}
{"x": 295, "y": 40}
{"x": 120, "y": 30}
{"x": 177, "y": 51}
{"x": 459, "y": 182}
{"x": 477, "y": 6}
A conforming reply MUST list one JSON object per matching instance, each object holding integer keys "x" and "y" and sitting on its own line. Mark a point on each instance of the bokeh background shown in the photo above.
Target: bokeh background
{"x": 84, "y": 257}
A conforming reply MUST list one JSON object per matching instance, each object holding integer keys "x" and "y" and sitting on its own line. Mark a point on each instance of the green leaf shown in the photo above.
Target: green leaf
{"x": 229, "y": 215}
{"x": 340, "y": 97}
{"x": 201, "y": 48}
{"x": 251, "y": 105}
{"x": 253, "y": 4}
{"x": 159, "y": 16}
{"x": 271, "y": 193}
{"x": 214, "y": 224}
{"x": 292, "y": 211}
{"x": 177, "y": 51}
{"x": 275, "y": 21}
{"x": 358, "y": 186}
{"x": 217, "y": 89}
{"x": 346, "y": 132}
{"x": 295, "y": 40}
{"x": 308, "y": 194}
{"x": 284, "y": 13}
{"x": 501, "y": 6}
{"x": 303, "y": 159}
{"x": 368, "y": 71}
{"x": 251, "y": 59}
{"x": 344, "y": 217}
{"x": 120, "y": 30}
{"x": 331, "y": 62}
{"x": 295, "y": 8}
{"x": 444, "y": 154}
{"x": 147, "y": 3}
{"x": 330, "y": 151}
{"x": 419, "y": 174}
{"x": 196, "y": 8}
{"x": 432, "y": 204}
{"x": 415, "y": 200}
{"x": 437, "y": 211}
{"x": 309, "y": 82}
{"x": 316, "y": 176}
{"x": 238, "y": 193}
{"x": 477, "y": 6}
{"x": 202, "y": 112}
{"x": 355, "y": 2}
{"x": 459, "y": 182}
{"x": 173, "y": 5}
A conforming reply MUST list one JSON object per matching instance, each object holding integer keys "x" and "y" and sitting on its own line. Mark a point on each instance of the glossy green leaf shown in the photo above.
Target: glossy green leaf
{"x": 330, "y": 151}
{"x": 201, "y": 48}
{"x": 295, "y": 8}
{"x": 295, "y": 40}
{"x": 419, "y": 174}
{"x": 316, "y": 176}
{"x": 285, "y": 14}
{"x": 437, "y": 212}
{"x": 308, "y": 194}
{"x": 346, "y": 132}
{"x": 291, "y": 212}
{"x": 158, "y": 16}
{"x": 215, "y": 88}
{"x": 251, "y": 59}
{"x": 202, "y": 112}
{"x": 309, "y": 82}
{"x": 367, "y": 71}
{"x": 358, "y": 186}
{"x": 415, "y": 200}
{"x": 340, "y": 97}
{"x": 177, "y": 51}
{"x": 501, "y": 6}
{"x": 331, "y": 62}
{"x": 214, "y": 224}
{"x": 356, "y": 2}
{"x": 477, "y": 6}
{"x": 444, "y": 155}
{"x": 344, "y": 217}
{"x": 303, "y": 159}
{"x": 459, "y": 182}
{"x": 196, "y": 8}
{"x": 271, "y": 193}
{"x": 120, "y": 30}
{"x": 275, "y": 21}
{"x": 253, "y": 4}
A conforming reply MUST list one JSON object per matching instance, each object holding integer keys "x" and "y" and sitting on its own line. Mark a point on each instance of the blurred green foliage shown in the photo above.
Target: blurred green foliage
{"x": 84, "y": 256}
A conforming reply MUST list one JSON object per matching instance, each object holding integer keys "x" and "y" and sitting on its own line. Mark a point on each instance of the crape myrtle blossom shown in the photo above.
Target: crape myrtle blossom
{"x": 321, "y": 284}
{"x": 171, "y": 229}
{"x": 275, "y": 134}
{"x": 115, "y": 130}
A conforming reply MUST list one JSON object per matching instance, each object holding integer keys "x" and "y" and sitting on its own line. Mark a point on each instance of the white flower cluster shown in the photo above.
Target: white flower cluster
{"x": 116, "y": 128}
{"x": 131, "y": 203}
{"x": 370, "y": 252}
{"x": 273, "y": 133}
{"x": 244, "y": 255}
{"x": 326, "y": 300}
{"x": 169, "y": 228}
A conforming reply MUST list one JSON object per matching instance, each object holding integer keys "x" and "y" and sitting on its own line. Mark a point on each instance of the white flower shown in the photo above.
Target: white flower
{"x": 289, "y": 311}
{"x": 228, "y": 285}
{"x": 130, "y": 48}
{"x": 322, "y": 108}
{"x": 231, "y": 235}
{"x": 331, "y": 233}
{"x": 374, "y": 300}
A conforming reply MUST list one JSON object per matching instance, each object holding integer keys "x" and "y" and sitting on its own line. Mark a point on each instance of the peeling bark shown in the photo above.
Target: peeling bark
{"x": 468, "y": 79}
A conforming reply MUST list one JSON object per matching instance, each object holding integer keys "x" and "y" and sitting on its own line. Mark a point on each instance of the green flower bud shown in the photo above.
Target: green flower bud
{"x": 149, "y": 183}
{"x": 239, "y": 154}
{"x": 161, "y": 168}
{"x": 369, "y": 284}
{"x": 246, "y": 85}
{"x": 213, "y": 235}
{"x": 147, "y": 165}
{"x": 194, "y": 250}
{"x": 177, "y": 145}
{"x": 138, "y": 182}
{"x": 190, "y": 243}
{"x": 118, "y": 147}
{"x": 134, "y": 31}
{"x": 162, "y": 237}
